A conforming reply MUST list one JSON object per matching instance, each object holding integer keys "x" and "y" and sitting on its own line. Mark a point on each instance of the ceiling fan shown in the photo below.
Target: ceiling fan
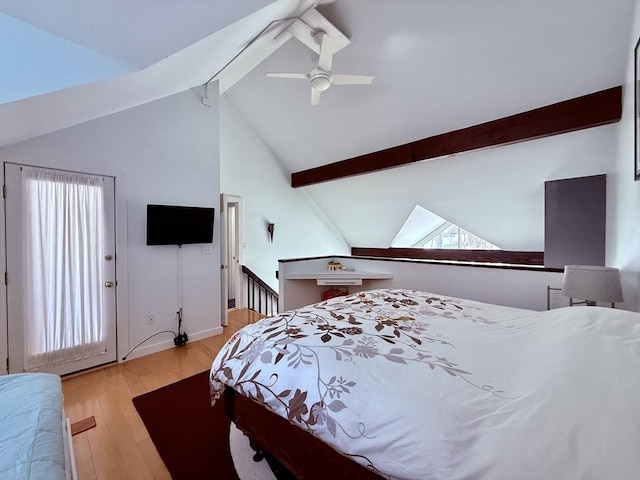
{"x": 321, "y": 77}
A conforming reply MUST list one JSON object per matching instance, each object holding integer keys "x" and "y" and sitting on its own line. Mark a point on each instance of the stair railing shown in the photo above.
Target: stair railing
{"x": 261, "y": 297}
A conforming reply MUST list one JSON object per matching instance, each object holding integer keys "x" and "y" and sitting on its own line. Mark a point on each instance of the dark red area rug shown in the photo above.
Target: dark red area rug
{"x": 191, "y": 436}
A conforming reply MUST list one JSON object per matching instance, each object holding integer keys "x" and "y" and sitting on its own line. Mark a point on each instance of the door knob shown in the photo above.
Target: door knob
{"x": 108, "y": 284}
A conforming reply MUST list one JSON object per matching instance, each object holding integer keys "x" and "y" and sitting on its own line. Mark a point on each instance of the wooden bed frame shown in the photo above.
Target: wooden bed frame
{"x": 305, "y": 456}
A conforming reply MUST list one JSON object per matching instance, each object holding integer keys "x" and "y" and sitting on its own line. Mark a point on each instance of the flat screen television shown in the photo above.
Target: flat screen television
{"x": 177, "y": 225}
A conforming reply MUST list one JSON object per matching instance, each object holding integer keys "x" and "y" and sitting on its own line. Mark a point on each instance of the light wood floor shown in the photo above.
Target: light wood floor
{"x": 119, "y": 447}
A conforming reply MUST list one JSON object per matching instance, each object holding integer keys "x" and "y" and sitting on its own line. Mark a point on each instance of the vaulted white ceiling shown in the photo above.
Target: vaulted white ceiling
{"x": 191, "y": 66}
{"x": 439, "y": 65}
{"x": 137, "y": 33}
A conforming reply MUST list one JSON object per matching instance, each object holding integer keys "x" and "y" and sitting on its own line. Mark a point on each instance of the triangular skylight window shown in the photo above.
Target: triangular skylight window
{"x": 425, "y": 229}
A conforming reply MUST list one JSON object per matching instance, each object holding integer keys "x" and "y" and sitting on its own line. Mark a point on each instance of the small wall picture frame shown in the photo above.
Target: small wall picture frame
{"x": 636, "y": 110}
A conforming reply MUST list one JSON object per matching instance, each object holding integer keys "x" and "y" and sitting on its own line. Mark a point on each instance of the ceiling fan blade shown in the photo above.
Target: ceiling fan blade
{"x": 327, "y": 48}
{"x": 302, "y": 76}
{"x": 351, "y": 79}
{"x": 315, "y": 96}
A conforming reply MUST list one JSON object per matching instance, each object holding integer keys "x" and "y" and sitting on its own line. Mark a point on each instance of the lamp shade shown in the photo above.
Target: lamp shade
{"x": 592, "y": 283}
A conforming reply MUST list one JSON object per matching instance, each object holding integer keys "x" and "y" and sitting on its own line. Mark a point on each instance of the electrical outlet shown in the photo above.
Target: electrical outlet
{"x": 151, "y": 319}
{"x": 206, "y": 249}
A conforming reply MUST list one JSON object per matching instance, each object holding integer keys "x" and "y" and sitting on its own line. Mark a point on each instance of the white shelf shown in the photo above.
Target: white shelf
{"x": 339, "y": 281}
{"x": 339, "y": 277}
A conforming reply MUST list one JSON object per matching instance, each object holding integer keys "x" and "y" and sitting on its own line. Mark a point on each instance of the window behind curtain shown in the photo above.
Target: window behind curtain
{"x": 63, "y": 234}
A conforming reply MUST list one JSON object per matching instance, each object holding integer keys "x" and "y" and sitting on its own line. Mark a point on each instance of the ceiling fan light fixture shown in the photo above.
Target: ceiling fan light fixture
{"x": 320, "y": 79}
{"x": 321, "y": 82}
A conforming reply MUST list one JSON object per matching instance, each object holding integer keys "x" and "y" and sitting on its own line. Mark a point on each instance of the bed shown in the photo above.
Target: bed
{"x": 403, "y": 384}
{"x": 35, "y": 440}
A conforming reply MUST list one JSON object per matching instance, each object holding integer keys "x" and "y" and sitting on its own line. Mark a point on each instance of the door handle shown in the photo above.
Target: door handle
{"x": 108, "y": 284}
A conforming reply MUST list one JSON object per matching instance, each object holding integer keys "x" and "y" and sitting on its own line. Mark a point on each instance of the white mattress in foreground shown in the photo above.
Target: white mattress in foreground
{"x": 31, "y": 427}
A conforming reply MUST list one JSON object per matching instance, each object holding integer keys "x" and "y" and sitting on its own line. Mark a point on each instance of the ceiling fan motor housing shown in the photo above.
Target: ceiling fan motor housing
{"x": 320, "y": 79}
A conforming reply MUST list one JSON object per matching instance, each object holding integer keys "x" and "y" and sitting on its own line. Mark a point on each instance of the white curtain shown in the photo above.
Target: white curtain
{"x": 64, "y": 225}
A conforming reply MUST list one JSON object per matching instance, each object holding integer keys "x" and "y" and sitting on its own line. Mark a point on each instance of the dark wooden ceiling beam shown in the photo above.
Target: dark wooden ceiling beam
{"x": 456, "y": 255}
{"x": 593, "y": 110}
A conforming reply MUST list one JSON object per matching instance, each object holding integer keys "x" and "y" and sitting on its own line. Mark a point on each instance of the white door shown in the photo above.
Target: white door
{"x": 230, "y": 252}
{"x": 61, "y": 288}
{"x": 232, "y": 256}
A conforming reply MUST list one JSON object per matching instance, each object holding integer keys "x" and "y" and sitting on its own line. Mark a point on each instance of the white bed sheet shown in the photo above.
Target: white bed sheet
{"x": 419, "y": 386}
{"x": 32, "y": 437}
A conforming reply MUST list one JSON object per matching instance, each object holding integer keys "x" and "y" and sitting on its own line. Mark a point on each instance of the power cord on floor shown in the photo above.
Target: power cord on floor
{"x": 151, "y": 336}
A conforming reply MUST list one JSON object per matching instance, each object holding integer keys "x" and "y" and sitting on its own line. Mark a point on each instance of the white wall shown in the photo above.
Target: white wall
{"x": 495, "y": 193}
{"x": 166, "y": 151}
{"x": 249, "y": 169}
{"x": 623, "y": 201}
{"x": 501, "y": 286}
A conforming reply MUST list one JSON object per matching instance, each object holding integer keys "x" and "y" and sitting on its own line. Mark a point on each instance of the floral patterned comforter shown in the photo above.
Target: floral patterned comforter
{"x": 415, "y": 385}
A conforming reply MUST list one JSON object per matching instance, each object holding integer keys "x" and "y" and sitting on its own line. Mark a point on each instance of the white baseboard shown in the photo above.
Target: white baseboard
{"x": 69, "y": 455}
{"x": 166, "y": 344}
{"x": 206, "y": 334}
